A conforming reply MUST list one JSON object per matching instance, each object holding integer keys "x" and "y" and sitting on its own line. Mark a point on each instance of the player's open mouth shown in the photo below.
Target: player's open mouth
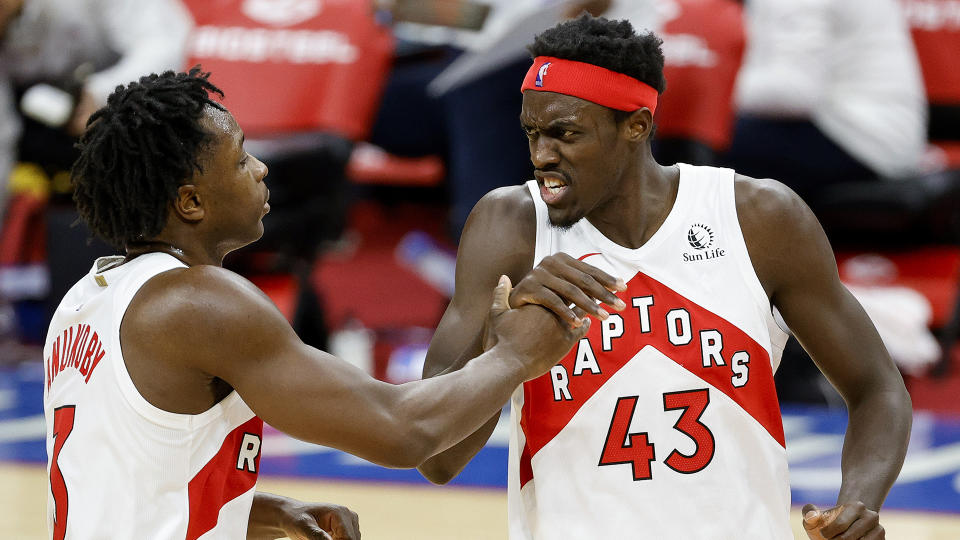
{"x": 552, "y": 188}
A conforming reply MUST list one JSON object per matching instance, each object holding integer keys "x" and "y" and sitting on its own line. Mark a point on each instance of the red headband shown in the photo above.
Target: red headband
{"x": 592, "y": 83}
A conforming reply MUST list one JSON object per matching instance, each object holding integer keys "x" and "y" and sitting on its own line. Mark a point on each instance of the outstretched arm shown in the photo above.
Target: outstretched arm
{"x": 796, "y": 266}
{"x": 215, "y": 324}
{"x": 496, "y": 240}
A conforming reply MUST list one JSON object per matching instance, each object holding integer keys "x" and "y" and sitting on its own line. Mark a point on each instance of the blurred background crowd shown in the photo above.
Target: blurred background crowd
{"x": 383, "y": 122}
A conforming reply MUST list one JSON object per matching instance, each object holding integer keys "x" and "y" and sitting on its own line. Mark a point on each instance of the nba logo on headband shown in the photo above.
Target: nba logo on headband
{"x": 541, "y": 73}
{"x": 590, "y": 82}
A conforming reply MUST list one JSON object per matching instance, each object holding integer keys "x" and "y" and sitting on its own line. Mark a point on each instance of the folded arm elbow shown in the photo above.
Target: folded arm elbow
{"x": 437, "y": 472}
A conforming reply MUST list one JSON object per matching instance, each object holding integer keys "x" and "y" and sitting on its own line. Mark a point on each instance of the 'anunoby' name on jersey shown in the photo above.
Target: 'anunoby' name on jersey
{"x": 118, "y": 466}
{"x": 663, "y": 421}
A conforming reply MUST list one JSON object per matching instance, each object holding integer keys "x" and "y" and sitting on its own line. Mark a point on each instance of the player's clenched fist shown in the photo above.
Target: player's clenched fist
{"x": 531, "y": 333}
{"x": 320, "y": 521}
{"x": 852, "y": 520}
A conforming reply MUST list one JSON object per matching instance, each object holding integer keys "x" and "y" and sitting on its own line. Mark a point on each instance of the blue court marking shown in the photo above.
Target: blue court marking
{"x": 930, "y": 479}
{"x": 22, "y": 428}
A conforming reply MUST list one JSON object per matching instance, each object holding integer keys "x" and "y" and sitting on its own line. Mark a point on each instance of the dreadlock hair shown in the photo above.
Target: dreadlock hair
{"x": 138, "y": 150}
{"x": 613, "y": 45}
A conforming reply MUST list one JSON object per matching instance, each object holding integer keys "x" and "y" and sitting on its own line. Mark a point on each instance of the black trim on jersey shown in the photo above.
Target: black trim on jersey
{"x": 576, "y": 359}
{"x": 697, "y": 420}
{"x": 700, "y": 336}
{"x": 565, "y": 388}
{"x": 628, "y": 441}
{"x": 259, "y": 450}
{"x": 66, "y": 514}
{"x": 649, "y": 316}
{"x": 623, "y": 330}
{"x": 733, "y": 363}
{"x": 689, "y": 320}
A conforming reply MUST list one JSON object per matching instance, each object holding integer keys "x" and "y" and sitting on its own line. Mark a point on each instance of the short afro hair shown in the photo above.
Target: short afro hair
{"x": 138, "y": 150}
{"x": 613, "y": 45}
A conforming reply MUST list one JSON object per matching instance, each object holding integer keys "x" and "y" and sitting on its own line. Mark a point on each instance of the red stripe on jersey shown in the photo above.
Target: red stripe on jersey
{"x": 542, "y": 418}
{"x": 220, "y": 480}
{"x": 582, "y": 257}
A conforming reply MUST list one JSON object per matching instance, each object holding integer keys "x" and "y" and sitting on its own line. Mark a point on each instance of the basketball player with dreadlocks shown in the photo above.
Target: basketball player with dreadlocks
{"x": 663, "y": 422}
{"x": 160, "y": 364}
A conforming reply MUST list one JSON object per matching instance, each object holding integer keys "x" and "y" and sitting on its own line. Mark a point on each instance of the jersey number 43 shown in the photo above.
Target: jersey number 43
{"x": 637, "y": 450}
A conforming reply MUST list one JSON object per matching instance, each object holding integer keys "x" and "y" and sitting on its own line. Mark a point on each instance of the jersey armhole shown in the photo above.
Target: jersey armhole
{"x": 121, "y": 302}
{"x": 776, "y": 328}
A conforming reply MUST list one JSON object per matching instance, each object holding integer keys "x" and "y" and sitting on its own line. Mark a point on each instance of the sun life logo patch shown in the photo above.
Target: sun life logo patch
{"x": 700, "y": 236}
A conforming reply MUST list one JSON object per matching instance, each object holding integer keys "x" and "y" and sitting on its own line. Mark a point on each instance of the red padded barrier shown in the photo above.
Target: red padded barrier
{"x": 294, "y": 65}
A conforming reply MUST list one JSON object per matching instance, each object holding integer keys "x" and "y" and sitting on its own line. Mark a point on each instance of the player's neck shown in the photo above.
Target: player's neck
{"x": 644, "y": 199}
{"x": 187, "y": 252}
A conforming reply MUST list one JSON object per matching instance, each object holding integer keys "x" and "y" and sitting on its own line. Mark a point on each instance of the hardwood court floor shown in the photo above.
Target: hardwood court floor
{"x": 396, "y": 512}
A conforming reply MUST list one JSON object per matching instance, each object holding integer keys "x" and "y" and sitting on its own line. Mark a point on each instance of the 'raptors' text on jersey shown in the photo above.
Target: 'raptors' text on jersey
{"x": 663, "y": 422}
{"x": 120, "y": 467}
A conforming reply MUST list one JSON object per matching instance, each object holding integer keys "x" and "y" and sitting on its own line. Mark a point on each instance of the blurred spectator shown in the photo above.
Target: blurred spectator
{"x": 703, "y": 43}
{"x": 829, "y": 92}
{"x": 330, "y": 59}
{"x": 935, "y": 26}
{"x": 80, "y": 50}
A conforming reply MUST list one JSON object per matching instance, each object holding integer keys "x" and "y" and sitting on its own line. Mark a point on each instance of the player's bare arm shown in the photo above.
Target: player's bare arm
{"x": 213, "y": 327}
{"x": 797, "y": 269}
{"x": 273, "y": 516}
{"x": 498, "y": 239}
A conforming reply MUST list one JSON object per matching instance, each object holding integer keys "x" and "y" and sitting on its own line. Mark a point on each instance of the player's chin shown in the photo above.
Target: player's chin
{"x": 256, "y": 234}
{"x": 564, "y": 218}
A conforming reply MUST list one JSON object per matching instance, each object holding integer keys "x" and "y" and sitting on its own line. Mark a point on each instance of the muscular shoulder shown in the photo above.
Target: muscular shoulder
{"x": 780, "y": 230}
{"x": 195, "y": 291}
{"x": 501, "y": 229}
{"x": 196, "y": 309}
{"x": 761, "y": 199}
{"x": 511, "y": 205}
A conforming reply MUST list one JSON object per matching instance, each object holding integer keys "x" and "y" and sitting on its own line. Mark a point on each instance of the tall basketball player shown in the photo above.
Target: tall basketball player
{"x": 663, "y": 422}
{"x": 160, "y": 364}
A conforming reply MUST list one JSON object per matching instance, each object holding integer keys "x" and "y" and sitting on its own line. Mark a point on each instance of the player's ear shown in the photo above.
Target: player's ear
{"x": 188, "y": 203}
{"x": 639, "y": 125}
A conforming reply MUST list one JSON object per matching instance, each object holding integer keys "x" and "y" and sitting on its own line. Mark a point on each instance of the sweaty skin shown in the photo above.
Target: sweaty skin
{"x": 192, "y": 335}
{"x": 613, "y": 181}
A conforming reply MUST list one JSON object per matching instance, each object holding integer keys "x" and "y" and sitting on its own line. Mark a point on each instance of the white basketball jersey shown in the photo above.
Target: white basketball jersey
{"x": 662, "y": 423}
{"x": 118, "y": 466}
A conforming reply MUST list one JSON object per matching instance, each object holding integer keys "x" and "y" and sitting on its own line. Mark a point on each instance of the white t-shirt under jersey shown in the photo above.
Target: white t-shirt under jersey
{"x": 662, "y": 423}
{"x": 118, "y": 466}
